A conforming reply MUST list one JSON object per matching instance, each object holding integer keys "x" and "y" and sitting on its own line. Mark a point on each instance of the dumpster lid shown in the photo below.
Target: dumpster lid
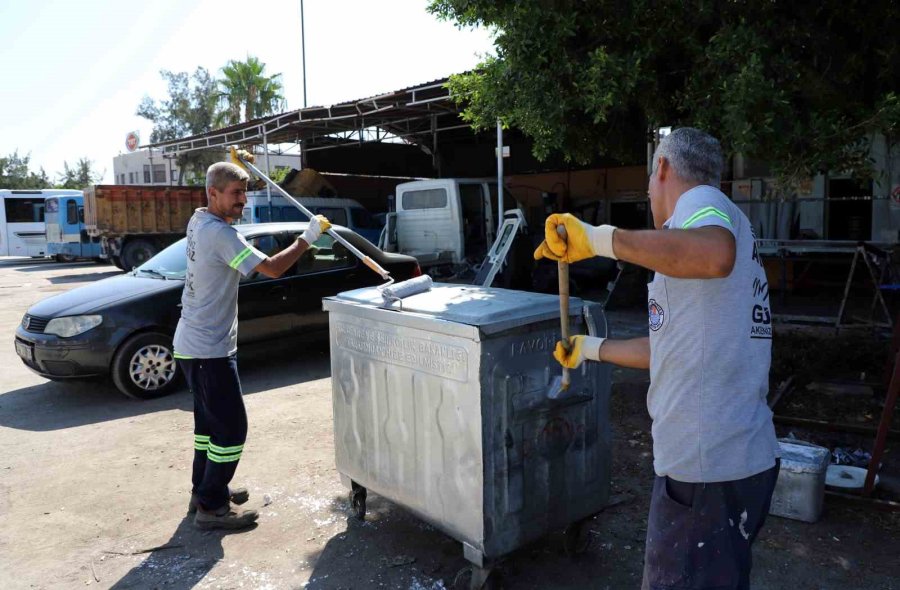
{"x": 489, "y": 309}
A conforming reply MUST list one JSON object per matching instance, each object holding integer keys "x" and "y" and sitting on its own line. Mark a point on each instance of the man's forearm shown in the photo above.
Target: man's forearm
{"x": 633, "y": 353}
{"x": 276, "y": 265}
{"x": 702, "y": 253}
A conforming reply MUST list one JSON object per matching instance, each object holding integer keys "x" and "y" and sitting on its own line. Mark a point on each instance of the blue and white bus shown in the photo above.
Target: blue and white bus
{"x": 22, "y": 229}
{"x": 67, "y": 238}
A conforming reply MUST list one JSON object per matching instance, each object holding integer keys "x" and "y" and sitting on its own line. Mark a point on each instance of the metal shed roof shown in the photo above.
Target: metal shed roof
{"x": 413, "y": 114}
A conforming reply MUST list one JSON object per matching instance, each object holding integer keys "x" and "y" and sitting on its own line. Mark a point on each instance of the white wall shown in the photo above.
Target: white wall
{"x": 130, "y": 168}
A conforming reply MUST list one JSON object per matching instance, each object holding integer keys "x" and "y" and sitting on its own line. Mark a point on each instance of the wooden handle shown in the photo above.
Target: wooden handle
{"x": 563, "y": 268}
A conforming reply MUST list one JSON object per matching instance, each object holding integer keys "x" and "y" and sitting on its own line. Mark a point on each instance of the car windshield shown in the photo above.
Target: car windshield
{"x": 171, "y": 263}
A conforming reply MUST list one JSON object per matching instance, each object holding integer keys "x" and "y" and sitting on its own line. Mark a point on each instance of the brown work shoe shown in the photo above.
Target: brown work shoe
{"x": 235, "y": 496}
{"x": 225, "y": 518}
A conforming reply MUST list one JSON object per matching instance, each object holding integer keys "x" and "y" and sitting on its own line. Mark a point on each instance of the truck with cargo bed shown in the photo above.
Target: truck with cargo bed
{"x": 134, "y": 223}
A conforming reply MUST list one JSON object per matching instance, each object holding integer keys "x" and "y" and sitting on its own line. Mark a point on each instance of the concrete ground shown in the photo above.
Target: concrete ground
{"x": 94, "y": 487}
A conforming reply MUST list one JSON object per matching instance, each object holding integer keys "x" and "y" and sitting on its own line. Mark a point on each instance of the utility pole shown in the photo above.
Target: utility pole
{"x": 303, "y": 53}
{"x": 303, "y": 50}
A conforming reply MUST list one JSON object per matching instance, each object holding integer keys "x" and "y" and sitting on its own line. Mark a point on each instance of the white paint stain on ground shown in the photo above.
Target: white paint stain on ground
{"x": 744, "y": 532}
{"x": 427, "y": 584}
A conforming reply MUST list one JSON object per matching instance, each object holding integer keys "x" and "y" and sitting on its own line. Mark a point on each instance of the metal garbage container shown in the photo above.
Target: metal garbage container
{"x": 442, "y": 407}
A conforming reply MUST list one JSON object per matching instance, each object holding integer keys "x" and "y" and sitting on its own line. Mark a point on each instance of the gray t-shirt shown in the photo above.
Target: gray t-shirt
{"x": 710, "y": 351}
{"x": 217, "y": 256}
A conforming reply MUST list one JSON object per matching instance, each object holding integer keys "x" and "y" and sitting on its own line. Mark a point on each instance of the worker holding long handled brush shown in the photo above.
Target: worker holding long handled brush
{"x": 206, "y": 339}
{"x": 708, "y": 351}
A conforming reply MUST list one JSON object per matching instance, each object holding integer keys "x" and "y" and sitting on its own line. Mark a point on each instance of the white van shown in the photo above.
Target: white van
{"x": 22, "y": 228}
{"x": 444, "y": 221}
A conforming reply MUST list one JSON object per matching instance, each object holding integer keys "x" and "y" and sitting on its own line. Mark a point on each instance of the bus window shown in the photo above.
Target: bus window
{"x": 71, "y": 212}
{"x": 337, "y": 216}
{"x": 292, "y": 214}
{"x": 362, "y": 219}
{"x": 24, "y": 210}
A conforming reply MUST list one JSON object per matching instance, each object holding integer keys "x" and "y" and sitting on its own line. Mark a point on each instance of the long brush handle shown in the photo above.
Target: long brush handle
{"x": 353, "y": 249}
{"x": 563, "y": 268}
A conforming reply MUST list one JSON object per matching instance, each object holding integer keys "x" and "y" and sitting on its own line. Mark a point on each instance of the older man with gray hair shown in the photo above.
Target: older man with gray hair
{"x": 206, "y": 340}
{"x": 709, "y": 350}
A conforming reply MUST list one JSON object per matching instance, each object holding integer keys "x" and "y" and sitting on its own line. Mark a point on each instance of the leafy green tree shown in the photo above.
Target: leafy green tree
{"x": 191, "y": 108}
{"x": 246, "y": 90}
{"x": 15, "y": 173}
{"x": 801, "y": 85}
{"x": 80, "y": 176}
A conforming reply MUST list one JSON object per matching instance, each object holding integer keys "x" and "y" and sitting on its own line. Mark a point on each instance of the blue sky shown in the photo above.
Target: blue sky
{"x": 75, "y": 72}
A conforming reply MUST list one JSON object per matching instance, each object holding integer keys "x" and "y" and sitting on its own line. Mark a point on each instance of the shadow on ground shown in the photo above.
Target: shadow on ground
{"x": 57, "y": 405}
{"x": 181, "y": 562}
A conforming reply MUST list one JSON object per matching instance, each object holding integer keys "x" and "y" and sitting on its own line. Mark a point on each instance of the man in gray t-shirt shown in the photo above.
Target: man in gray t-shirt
{"x": 206, "y": 340}
{"x": 708, "y": 351}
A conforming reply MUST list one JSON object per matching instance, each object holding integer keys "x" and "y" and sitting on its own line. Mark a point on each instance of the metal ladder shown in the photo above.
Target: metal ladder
{"x": 513, "y": 223}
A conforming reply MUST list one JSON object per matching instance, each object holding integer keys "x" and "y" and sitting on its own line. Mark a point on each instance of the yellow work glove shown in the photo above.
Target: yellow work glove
{"x": 582, "y": 240}
{"x": 316, "y": 227}
{"x": 581, "y": 348}
{"x": 238, "y": 155}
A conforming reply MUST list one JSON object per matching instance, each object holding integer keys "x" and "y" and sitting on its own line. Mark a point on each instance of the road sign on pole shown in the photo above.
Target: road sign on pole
{"x": 132, "y": 140}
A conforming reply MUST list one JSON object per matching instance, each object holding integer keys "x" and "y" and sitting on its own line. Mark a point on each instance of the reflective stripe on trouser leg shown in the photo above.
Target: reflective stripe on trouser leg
{"x": 218, "y": 411}
{"x": 219, "y": 454}
{"x": 201, "y": 442}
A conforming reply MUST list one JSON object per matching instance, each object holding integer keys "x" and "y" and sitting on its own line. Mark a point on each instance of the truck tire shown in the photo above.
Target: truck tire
{"x": 117, "y": 262}
{"x": 144, "y": 366}
{"x": 137, "y": 252}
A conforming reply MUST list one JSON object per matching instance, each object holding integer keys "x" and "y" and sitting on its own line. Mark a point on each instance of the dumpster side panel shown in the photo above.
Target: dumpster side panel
{"x": 547, "y": 460}
{"x": 407, "y": 419}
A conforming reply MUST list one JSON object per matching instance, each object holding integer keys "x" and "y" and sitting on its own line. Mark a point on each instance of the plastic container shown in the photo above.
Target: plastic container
{"x": 800, "y": 490}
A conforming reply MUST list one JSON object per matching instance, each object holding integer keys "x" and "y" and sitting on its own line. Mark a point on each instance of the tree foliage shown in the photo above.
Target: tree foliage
{"x": 80, "y": 176}
{"x": 199, "y": 102}
{"x": 246, "y": 90}
{"x": 191, "y": 108}
{"x": 799, "y": 84}
{"x": 15, "y": 173}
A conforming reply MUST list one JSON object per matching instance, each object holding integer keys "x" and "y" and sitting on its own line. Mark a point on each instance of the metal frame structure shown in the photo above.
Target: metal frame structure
{"x": 413, "y": 115}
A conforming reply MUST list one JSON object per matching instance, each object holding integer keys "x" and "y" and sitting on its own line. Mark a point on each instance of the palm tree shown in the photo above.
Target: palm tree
{"x": 245, "y": 87}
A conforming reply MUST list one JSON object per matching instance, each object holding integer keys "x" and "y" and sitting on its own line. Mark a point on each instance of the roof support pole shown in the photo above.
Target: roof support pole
{"x": 499, "y": 175}
{"x": 268, "y": 173}
{"x": 435, "y": 157}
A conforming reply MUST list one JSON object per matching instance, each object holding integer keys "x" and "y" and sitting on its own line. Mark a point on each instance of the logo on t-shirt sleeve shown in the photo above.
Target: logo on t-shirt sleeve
{"x": 657, "y": 315}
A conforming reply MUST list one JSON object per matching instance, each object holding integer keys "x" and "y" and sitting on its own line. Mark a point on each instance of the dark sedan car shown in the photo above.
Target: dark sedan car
{"x": 123, "y": 326}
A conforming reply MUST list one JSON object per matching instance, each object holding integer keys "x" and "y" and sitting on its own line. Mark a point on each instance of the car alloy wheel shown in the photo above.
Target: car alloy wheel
{"x": 152, "y": 367}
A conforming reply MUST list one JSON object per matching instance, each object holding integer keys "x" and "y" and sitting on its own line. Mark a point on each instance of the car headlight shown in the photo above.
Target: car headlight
{"x": 72, "y": 325}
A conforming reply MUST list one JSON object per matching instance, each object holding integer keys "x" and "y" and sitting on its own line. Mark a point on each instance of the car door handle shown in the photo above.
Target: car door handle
{"x": 278, "y": 292}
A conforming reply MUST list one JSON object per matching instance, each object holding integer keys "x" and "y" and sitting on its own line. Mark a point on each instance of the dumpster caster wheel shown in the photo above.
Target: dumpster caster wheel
{"x": 577, "y": 538}
{"x": 480, "y": 578}
{"x": 358, "y": 501}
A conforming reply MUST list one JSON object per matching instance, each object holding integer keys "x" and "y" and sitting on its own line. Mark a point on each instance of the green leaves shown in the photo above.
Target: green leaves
{"x": 15, "y": 173}
{"x": 80, "y": 176}
{"x": 798, "y": 85}
{"x": 245, "y": 90}
{"x": 199, "y": 102}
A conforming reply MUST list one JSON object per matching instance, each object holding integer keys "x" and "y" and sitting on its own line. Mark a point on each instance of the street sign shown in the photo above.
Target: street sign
{"x": 132, "y": 140}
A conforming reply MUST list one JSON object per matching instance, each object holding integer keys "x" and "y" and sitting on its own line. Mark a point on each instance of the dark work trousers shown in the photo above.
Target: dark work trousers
{"x": 220, "y": 426}
{"x": 699, "y": 535}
